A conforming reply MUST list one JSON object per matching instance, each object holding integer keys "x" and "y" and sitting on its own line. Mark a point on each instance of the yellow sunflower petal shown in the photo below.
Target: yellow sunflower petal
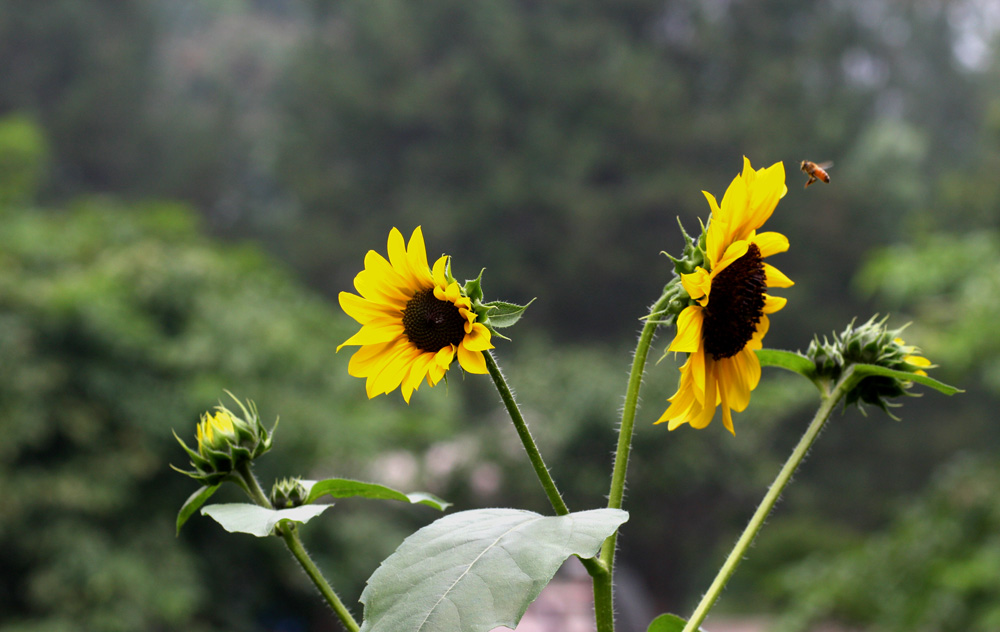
{"x": 770, "y": 243}
{"x": 776, "y": 278}
{"x": 716, "y": 234}
{"x": 362, "y": 309}
{"x": 768, "y": 188}
{"x": 679, "y": 410}
{"x": 689, "y": 324}
{"x": 757, "y": 341}
{"x": 384, "y": 329}
{"x": 368, "y": 360}
{"x": 704, "y": 416}
{"x": 773, "y": 303}
{"x": 479, "y": 339}
{"x": 400, "y": 261}
{"x": 380, "y": 283}
{"x": 697, "y": 284}
{"x": 416, "y": 255}
{"x": 727, "y": 412}
{"x": 395, "y": 368}
{"x": 471, "y": 361}
{"x": 697, "y": 366}
{"x": 746, "y": 377}
{"x": 438, "y": 274}
{"x": 735, "y": 250}
{"x": 418, "y": 371}
{"x": 442, "y": 360}
{"x": 734, "y": 208}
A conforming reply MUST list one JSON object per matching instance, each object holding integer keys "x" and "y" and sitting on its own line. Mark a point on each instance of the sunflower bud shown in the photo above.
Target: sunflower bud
{"x": 875, "y": 344}
{"x": 226, "y": 441}
{"x": 288, "y": 493}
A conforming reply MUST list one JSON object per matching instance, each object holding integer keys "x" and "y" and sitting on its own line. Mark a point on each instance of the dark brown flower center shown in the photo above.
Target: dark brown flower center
{"x": 735, "y": 305}
{"x": 432, "y": 324}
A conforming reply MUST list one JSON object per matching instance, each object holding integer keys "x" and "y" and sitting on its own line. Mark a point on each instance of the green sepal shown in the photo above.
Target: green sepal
{"x": 693, "y": 256}
{"x": 196, "y": 459}
{"x": 194, "y": 502}
{"x": 495, "y": 314}
{"x": 474, "y": 288}
{"x": 348, "y": 488}
{"x": 668, "y": 623}
{"x": 501, "y": 314}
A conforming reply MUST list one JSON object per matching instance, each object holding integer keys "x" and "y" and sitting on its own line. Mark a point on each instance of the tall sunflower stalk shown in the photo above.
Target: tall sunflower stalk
{"x": 477, "y": 570}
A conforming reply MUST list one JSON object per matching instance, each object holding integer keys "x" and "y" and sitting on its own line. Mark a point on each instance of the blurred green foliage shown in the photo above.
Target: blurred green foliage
{"x": 935, "y": 567}
{"x": 24, "y": 152}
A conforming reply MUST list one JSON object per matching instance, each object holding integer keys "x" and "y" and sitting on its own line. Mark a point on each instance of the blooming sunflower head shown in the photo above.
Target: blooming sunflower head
{"x": 415, "y": 320}
{"x": 726, "y": 316}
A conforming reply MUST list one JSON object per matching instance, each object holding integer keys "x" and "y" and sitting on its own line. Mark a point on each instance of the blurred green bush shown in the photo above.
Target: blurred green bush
{"x": 936, "y": 567}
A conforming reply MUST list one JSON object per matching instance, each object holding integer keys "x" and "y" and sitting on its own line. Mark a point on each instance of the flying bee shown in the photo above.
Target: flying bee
{"x": 816, "y": 171}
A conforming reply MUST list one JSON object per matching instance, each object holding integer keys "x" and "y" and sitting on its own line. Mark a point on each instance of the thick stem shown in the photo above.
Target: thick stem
{"x": 829, "y": 401}
{"x": 541, "y": 471}
{"x": 604, "y": 605}
{"x": 291, "y": 536}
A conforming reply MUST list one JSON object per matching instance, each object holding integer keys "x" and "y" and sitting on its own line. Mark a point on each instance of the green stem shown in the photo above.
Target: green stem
{"x": 541, "y": 471}
{"x": 594, "y": 566}
{"x": 604, "y": 606}
{"x": 251, "y": 486}
{"x": 290, "y": 534}
{"x": 827, "y": 404}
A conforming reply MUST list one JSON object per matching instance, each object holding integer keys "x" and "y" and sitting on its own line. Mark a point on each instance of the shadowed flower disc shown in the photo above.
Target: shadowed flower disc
{"x": 414, "y": 320}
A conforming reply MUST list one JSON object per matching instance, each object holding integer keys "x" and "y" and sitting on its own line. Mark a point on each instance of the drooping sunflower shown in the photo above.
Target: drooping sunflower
{"x": 729, "y": 318}
{"x": 414, "y": 320}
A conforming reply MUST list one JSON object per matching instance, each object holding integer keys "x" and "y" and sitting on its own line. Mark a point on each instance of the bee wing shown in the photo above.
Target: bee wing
{"x": 825, "y": 165}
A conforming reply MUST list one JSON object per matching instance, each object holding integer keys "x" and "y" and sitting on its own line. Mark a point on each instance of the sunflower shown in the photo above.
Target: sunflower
{"x": 729, "y": 318}
{"x": 414, "y": 320}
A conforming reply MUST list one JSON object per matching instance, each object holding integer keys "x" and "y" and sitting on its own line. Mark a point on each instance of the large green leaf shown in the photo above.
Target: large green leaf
{"x": 346, "y": 488}
{"x": 257, "y": 520}
{"x": 477, "y": 570}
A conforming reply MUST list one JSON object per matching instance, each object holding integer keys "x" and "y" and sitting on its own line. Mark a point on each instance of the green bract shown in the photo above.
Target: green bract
{"x": 495, "y": 314}
{"x": 693, "y": 255}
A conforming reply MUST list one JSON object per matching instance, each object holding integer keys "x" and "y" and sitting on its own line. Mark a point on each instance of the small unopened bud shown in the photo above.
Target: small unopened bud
{"x": 288, "y": 493}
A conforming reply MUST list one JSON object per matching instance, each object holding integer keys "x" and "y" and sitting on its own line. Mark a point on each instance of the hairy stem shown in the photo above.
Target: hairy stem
{"x": 603, "y": 589}
{"x": 290, "y": 534}
{"x": 288, "y": 531}
{"x": 827, "y": 404}
{"x": 541, "y": 471}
